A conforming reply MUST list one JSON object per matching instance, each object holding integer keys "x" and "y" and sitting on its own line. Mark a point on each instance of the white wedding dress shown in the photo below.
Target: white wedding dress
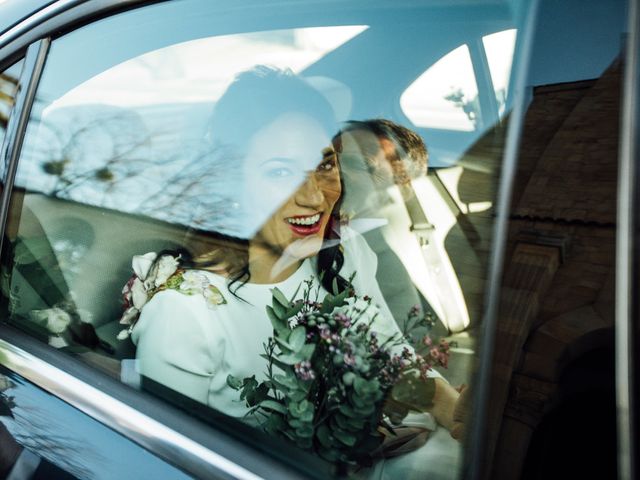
{"x": 185, "y": 344}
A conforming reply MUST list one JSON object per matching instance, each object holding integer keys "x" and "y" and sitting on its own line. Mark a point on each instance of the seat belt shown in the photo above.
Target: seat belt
{"x": 443, "y": 279}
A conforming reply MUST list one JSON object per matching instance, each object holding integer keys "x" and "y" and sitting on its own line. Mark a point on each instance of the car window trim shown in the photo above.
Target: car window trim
{"x": 56, "y": 19}
{"x": 627, "y": 258}
{"x": 16, "y": 127}
{"x": 475, "y": 461}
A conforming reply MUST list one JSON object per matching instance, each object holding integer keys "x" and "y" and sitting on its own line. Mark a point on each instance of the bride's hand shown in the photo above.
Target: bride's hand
{"x": 461, "y": 413}
{"x": 444, "y": 403}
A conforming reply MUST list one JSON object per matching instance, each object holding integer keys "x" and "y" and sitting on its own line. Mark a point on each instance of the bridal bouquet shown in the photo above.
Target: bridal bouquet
{"x": 332, "y": 384}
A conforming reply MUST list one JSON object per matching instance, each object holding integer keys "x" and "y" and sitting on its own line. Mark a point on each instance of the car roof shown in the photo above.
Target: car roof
{"x": 13, "y": 11}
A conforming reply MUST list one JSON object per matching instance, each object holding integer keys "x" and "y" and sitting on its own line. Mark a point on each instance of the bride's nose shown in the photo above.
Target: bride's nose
{"x": 309, "y": 194}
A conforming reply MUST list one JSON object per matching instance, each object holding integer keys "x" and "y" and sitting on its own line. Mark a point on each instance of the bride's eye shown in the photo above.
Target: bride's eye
{"x": 281, "y": 172}
{"x": 278, "y": 168}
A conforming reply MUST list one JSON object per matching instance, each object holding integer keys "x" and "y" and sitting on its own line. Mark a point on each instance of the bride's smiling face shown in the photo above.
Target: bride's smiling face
{"x": 292, "y": 184}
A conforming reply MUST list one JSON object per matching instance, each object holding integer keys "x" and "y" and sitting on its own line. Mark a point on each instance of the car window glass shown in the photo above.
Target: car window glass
{"x": 8, "y": 90}
{"x": 238, "y": 216}
{"x": 499, "y": 50}
{"x": 444, "y": 96}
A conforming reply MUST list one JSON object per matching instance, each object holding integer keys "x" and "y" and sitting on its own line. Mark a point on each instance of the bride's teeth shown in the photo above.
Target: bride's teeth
{"x": 305, "y": 221}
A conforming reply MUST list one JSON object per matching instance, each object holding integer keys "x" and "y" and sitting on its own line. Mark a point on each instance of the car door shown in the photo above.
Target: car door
{"x": 106, "y": 159}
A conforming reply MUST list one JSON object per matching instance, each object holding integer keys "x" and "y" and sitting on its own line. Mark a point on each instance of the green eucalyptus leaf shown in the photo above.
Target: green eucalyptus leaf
{"x": 290, "y": 359}
{"x": 323, "y": 434}
{"x": 274, "y": 424}
{"x": 281, "y": 365}
{"x": 287, "y": 381}
{"x": 274, "y": 406}
{"x": 348, "y": 378}
{"x": 347, "y": 410}
{"x": 280, "y": 311}
{"x": 295, "y": 422}
{"x": 345, "y": 437}
{"x": 297, "y": 338}
{"x": 365, "y": 410}
{"x": 293, "y": 311}
{"x": 359, "y": 385}
{"x": 283, "y": 343}
{"x": 307, "y": 351}
{"x": 305, "y": 431}
{"x": 280, "y": 298}
{"x": 356, "y": 423}
{"x": 278, "y": 324}
{"x": 296, "y": 395}
{"x": 327, "y": 304}
{"x": 342, "y": 421}
{"x": 341, "y": 297}
{"x": 307, "y": 416}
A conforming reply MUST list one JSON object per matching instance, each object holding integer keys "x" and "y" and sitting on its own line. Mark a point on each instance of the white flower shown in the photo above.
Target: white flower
{"x": 293, "y": 322}
{"x": 138, "y": 294}
{"x": 213, "y": 296}
{"x": 57, "y": 320}
{"x": 85, "y": 315}
{"x": 194, "y": 282}
{"x": 165, "y": 267}
{"x": 128, "y": 315}
{"x": 123, "y": 334}
{"x": 58, "y": 342}
{"x": 141, "y": 264}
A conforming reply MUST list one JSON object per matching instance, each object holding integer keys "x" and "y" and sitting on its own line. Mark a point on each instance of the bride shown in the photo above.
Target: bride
{"x": 280, "y": 178}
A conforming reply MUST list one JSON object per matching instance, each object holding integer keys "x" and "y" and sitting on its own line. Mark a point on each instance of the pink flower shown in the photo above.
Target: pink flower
{"x": 349, "y": 359}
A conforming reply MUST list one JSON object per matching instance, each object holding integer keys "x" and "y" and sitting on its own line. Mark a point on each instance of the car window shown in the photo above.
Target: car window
{"x": 8, "y": 90}
{"x": 445, "y": 96}
{"x": 499, "y": 48}
{"x": 227, "y": 207}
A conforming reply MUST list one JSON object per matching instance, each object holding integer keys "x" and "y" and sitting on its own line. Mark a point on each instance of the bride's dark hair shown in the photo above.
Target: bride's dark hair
{"x": 254, "y": 100}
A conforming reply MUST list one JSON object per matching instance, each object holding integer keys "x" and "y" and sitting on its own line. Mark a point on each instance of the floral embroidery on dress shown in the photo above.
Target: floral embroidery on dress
{"x": 152, "y": 275}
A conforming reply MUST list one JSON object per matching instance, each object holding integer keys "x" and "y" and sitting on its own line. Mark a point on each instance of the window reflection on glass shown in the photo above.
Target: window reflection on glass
{"x": 446, "y": 95}
{"x": 499, "y": 50}
{"x": 163, "y": 195}
{"x": 8, "y": 90}
{"x": 131, "y": 138}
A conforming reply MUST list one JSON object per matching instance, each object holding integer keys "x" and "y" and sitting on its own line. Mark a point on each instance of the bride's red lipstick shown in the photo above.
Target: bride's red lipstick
{"x": 300, "y": 225}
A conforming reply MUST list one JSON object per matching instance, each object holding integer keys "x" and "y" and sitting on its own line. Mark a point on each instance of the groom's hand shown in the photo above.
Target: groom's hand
{"x": 461, "y": 413}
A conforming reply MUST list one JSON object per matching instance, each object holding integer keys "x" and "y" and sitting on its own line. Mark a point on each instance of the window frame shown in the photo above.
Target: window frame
{"x": 627, "y": 308}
